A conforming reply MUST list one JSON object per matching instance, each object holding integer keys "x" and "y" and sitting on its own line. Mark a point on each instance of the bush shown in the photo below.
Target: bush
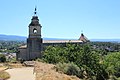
{"x": 61, "y": 67}
{"x": 112, "y": 63}
{"x": 84, "y": 58}
{"x": 2, "y": 58}
{"x": 102, "y": 74}
{"x": 13, "y": 60}
{"x": 73, "y": 69}
{"x": 69, "y": 69}
{"x": 4, "y": 75}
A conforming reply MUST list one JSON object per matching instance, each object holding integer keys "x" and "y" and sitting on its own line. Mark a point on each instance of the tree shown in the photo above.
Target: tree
{"x": 112, "y": 63}
{"x": 87, "y": 59}
{"x": 54, "y": 54}
{"x": 2, "y": 58}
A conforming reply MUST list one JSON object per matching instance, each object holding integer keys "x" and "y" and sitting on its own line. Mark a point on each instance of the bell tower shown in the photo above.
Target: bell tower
{"x": 34, "y": 40}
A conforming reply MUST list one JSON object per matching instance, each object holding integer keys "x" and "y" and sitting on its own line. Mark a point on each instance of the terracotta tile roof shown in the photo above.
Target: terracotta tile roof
{"x": 83, "y": 38}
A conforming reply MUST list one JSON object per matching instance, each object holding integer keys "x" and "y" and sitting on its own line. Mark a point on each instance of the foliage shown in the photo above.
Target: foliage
{"x": 2, "y": 58}
{"x": 10, "y": 46}
{"x": 87, "y": 59}
{"x": 106, "y": 46}
{"x": 112, "y": 63}
{"x": 13, "y": 60}
{"x": 4, "y": 75}
{"x": 69, "y": 68}
{"x": 97, "y": 60}
{"x": 54, "y": 54}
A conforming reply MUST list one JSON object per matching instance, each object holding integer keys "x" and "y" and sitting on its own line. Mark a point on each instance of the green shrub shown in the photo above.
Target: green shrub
{"x": 69, "y": 69}
{"x": 73, "y": 69}
{"x": 2, "y": 58}
{"x": 61, "y": 67}
{"x": 102, "y": 74}
{"x": 84, "y": 58}
{"x": 112, "y": 63}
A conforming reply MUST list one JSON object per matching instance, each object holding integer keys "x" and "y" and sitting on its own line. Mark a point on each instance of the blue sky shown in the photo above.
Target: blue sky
{"x": 98, "y": 19}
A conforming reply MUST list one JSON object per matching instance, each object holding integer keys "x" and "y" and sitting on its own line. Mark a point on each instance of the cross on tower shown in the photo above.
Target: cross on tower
{"x": 35, "y": 11}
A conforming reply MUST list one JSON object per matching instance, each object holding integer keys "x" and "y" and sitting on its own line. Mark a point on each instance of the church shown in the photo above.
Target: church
{"x": 35, "y": 43}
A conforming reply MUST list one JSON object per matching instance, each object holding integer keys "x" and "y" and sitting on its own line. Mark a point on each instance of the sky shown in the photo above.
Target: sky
{"x": 98, "y": 19}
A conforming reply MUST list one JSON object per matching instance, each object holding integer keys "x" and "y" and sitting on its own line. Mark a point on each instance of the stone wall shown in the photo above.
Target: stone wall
{"x": 22, "y": 54}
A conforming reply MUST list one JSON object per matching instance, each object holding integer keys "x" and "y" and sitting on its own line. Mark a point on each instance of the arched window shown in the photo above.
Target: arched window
{"x": 34, "y": 31}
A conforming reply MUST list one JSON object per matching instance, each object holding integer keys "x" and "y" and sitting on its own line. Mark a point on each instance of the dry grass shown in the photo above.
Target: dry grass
{"x": 10, "y": 65}
{"x": 4, "y": 75}
{"x": 2, "y": 68}
{"x": 15, "y": 65}
{"x": 46, "y": 71}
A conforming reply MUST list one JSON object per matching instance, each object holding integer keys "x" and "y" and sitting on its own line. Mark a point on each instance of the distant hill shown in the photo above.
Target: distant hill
{"x": 20, "y": 38}
{"x": 106, "y": 40}
{"x": 23, "y": 38}
{"x": 12, "y": 37}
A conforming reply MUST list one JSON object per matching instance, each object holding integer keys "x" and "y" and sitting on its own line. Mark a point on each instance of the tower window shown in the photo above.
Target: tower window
{"x": 34, "y": 31}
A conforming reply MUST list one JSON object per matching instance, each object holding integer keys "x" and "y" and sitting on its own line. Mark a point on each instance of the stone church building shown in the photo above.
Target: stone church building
{"x": 35, "y": 43}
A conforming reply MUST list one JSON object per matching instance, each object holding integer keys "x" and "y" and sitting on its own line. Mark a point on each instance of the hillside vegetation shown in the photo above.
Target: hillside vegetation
{"x": 10, "y": 46}
{"x": 46, "y": 71}
{"x": 84, "y": 61}
{"x": 91, "y": 61}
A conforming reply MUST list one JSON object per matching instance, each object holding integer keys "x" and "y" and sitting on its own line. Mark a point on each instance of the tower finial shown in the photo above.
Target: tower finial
{"x": 35, "y": 10}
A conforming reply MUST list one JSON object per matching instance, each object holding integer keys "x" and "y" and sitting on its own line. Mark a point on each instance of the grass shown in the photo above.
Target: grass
{"x": 46, "y": 71}
{"x": 4, "y": 75}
